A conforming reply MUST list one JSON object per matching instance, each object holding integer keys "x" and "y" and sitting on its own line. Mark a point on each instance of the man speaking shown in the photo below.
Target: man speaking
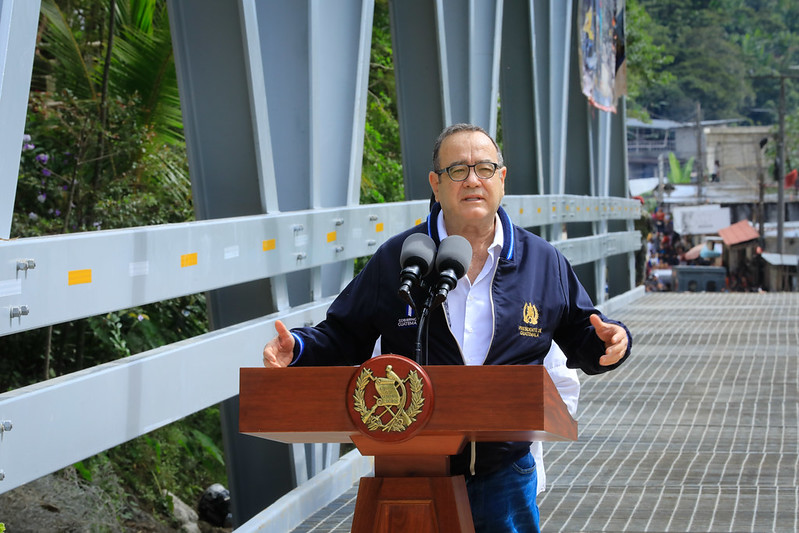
{"x": 516, "y": 295}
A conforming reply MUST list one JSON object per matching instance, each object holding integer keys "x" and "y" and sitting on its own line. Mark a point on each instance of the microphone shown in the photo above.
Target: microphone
{"x": 454, "y": 257}
{"x": 416, "y": 259}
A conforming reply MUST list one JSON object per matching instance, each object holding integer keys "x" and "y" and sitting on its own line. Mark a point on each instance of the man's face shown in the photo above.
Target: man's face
{"x": 473, "y": 200}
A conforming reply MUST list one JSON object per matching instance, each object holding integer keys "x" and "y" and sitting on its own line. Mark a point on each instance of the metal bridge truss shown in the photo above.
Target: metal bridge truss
{"x": 274, "y": 102}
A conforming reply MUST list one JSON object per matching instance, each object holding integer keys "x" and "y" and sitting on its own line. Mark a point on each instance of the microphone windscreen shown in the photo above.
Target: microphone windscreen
{"x": 420, "y": 250}
{"x": 454, "y": 252}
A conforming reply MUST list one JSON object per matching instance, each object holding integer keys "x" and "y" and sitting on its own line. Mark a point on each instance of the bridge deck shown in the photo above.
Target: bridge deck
{"x": 697, "y": 432}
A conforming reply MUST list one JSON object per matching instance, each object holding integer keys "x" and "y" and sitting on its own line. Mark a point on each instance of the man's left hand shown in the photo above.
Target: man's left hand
{"x": 615, "y": 339}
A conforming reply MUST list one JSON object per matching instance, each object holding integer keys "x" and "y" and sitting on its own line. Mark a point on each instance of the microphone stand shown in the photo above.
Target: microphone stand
{"x": 422, "y": 329}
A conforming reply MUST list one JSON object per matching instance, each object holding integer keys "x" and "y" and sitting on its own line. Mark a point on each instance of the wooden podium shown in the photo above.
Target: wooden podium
{"x": 413, "y": 489}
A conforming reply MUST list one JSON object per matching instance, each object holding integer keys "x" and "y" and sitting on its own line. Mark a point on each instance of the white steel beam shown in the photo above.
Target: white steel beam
{"x": 58, "y": 422}
{"x": 18, "y": 25}
{"x": 65, "y": 277}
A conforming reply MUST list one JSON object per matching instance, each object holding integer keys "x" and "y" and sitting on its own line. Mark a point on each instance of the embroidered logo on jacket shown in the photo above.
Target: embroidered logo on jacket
{"x": 530, "y": 317}
{"x": 530, "y": 314}
{"x": 407, "y": 321}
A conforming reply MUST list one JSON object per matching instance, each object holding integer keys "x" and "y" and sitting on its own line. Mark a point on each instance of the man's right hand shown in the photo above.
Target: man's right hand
{"x": 279, "y": 351}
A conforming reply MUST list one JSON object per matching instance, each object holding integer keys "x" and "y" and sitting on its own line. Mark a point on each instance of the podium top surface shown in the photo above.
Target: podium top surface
{"x": 477, "y": 403}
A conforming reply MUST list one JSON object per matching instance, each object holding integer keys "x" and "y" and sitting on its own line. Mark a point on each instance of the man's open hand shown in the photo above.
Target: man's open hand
{"x": 280, "y": 350}
{"x": 615, "y": 339}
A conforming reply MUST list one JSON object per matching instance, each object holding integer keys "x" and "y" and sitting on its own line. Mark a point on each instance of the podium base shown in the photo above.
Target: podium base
{"x": 417, "y": 504}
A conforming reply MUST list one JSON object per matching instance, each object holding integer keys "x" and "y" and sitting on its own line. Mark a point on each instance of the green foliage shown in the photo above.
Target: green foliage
{"x": 721, "y": 50}
{"x": 83, "y": 471}
{"x": 678, "y": 174}
{"x": 646, "y": 62}
{"x": 381, "y": 179}
{"x": 181, "y": 458}
{"x": 792, "y": 144}
{"x": 142, "y": 62}
{"x": 104, "y": 149}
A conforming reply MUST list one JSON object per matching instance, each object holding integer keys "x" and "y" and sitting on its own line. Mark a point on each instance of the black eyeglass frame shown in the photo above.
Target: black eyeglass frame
{"x": 470, "y": 169}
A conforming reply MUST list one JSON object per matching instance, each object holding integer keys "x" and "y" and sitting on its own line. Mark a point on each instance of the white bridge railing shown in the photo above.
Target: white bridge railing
{"x": 50, "y": 280}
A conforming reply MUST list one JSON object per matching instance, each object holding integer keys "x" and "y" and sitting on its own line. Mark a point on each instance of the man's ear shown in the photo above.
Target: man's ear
{"x": 433, "y": 179}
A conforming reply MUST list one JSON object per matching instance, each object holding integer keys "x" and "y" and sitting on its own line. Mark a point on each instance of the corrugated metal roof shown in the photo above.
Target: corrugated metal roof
{"x": 739, "y": 232}
{"x": 780, "y": 259}
{"x": 666, "y": 124}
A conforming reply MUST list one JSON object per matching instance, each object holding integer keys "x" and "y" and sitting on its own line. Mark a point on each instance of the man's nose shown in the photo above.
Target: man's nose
{"x": 471, "y": 176}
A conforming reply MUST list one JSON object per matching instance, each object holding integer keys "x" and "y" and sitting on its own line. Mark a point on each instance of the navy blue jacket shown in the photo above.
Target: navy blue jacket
{"x": 536, "y": 299}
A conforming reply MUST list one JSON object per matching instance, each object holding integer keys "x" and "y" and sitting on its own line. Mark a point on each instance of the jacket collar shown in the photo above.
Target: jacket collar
{"x": 507, "y": 230}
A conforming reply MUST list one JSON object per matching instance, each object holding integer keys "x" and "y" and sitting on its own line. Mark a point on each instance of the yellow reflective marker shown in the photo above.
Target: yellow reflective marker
{"x": 379, "y": 227}
{"x": 77, "y": 277}
{"x": 268, "y": 244}
{"x": 539, "y": 209}
{"x": 187, "y": 260}
{"x": 418, "y": 221}
{"x": 331, "y": 236}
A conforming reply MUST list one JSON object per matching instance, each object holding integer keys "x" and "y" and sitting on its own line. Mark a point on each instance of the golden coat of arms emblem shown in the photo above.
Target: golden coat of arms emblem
{"x": 388, "y": 396}
{"x": 530, "y": 314}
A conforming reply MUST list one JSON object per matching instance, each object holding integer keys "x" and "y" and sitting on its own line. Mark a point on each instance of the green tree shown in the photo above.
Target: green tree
{"x": 719, "y": 49}
{"x": 647, "y": 62}
{"x": 677, "y": 174}
{"x": 708, "y": 66}
{"x": 381, "y": 179}
{"x": 108, "y": 124}
{"x": 103, "y": 149}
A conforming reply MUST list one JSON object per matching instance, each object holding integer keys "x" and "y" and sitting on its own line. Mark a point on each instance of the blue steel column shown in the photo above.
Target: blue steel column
{"x": 520, "y": 105}
{"x": 18, "y": 25}
{"x": 217, "y": 114}
{"x": 557, "y": 77}
{"x": 274, "y": 97}
{"x": 621, "y": 268}
{"x": 420, "y": 100}
{"x": 446, "y": 56}
{"x": 535, "y": 91}
{"x": 581, "y": 168}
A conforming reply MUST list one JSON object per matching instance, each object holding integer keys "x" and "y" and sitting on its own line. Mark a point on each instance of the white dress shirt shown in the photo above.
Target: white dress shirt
{"x": 468, "y": 306}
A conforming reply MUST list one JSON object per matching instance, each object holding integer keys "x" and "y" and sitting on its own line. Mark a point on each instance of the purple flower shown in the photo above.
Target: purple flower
{"x": 26, "y": 138}
{"x": 33, "y": 216}
{"x": 140, "y": 317}
{"x": 46, "y": 172}
{"x": 42, "y": 158}
{"x": 58, "y": 212}
{"x": 42, "y": 197}
{"x": 28, "y": 146}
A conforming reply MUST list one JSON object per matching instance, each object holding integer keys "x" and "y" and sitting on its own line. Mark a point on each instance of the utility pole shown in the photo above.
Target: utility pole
{"x": 761, "y": 180}
{"x": 781, "y": 170}
{"x": 700, "y": 164}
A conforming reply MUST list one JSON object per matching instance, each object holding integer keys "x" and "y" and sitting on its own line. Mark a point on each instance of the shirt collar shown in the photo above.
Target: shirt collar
{"x": 495, "y": 248}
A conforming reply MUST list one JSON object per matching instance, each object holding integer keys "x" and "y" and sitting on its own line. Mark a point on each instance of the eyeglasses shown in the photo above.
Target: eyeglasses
{"x": 484, "y": 171}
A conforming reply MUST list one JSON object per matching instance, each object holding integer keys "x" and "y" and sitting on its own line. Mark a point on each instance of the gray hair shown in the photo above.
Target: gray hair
{"x": 458, "y": 128}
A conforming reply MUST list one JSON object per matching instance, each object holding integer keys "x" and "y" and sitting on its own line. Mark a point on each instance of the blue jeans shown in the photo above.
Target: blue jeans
{"x": 504, "y": 501}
